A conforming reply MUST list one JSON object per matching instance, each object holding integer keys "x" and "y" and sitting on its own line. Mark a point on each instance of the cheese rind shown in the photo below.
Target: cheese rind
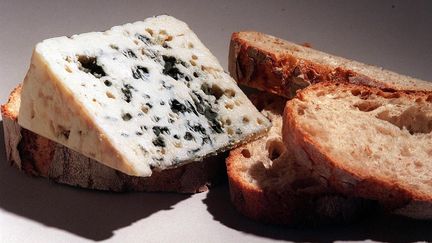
{"x": 138, "y": 97}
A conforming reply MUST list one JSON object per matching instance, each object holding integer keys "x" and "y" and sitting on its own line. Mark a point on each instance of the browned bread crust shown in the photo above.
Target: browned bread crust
{"x": 396, "y": 196}
{"x": 274, "y": 65}
{"x": 38, "y": 156}
{"x": 268, "y": 185}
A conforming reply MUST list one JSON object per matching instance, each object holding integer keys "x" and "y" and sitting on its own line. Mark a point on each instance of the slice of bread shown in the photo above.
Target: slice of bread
{"x": 274, "y": 65}
{"x": 268, "y": 185}
{"x": 39, "y": 156}
{"x": 366, "y": 142}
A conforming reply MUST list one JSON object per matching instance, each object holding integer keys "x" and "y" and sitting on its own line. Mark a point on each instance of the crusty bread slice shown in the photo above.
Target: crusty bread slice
{"x": 274, "y": 65}
{"x": 268, "y": 185}
{"x": 366, "y": 142}
{"x": 40, "y": 156}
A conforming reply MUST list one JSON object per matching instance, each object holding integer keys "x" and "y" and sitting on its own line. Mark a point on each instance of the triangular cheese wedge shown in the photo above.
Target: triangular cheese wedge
{"x": 138, "y": 97}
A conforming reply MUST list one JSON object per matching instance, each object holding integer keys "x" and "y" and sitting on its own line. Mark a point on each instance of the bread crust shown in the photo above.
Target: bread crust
{"x": 271, "y": 64}
{"x": 39, "y": 156}
{"x": 299, "y": 200}
{"x": 288, "y": 207}
{"x": 344, "y": 179}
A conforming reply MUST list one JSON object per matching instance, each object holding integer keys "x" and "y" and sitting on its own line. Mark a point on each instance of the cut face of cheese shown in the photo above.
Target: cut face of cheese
{"x": 139, "y": 97}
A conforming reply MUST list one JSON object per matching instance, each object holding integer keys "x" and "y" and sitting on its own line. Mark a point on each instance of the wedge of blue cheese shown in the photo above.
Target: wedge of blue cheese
{"x": 139, "y": 97}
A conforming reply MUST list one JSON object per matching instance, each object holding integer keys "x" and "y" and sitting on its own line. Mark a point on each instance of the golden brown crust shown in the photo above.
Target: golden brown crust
{"x": 10, "y": 109}
{"x": 289, "y": 206}
{"x": 265, "y": 70}
{"x": 345, "y": 179}
{"x": 39, "y": 156}
{"x": 255, "y": 63}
